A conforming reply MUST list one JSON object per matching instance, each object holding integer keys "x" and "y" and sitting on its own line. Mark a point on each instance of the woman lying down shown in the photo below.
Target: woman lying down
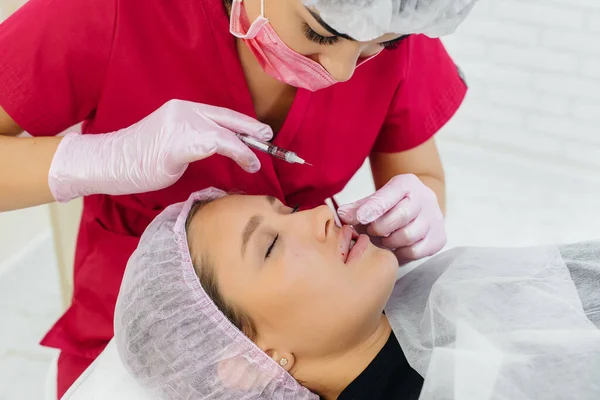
{"x": 240, "y": 297}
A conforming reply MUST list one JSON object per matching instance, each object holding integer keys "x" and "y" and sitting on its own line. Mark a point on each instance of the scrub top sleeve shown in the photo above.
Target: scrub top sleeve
{"x": 53, "y": 61}
{"x": 428, "y": 95}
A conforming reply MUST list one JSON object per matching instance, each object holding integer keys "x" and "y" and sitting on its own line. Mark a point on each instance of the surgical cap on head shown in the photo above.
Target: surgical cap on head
{"x": 171, "y": 336}
{"x": 366, "y": 20}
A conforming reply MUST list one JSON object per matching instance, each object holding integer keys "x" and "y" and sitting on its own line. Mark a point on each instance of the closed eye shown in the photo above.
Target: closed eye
{"x": 274, "y": 242}
{"x": 329, "y": 40}
{"x": 393, "y": 44}
{"x": 272, "y": 246}
{"x": 319, "y": 39}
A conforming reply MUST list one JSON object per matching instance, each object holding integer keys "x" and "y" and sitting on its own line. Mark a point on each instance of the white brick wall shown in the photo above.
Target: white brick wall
{"x": 533, "y": 67}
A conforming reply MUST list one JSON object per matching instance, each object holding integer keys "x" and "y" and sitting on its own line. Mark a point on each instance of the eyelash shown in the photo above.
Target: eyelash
{"x": 272, "y": 246}
{"x": 319, "y": 39}
{"x": 329, "y": 40}
{"x": 393, "y": 44}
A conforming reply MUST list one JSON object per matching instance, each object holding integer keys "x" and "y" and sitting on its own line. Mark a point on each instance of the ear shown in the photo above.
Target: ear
{"x": 284, "y": 359}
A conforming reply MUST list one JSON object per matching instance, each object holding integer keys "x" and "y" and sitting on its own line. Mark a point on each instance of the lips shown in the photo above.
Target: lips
{"x": 348, "y": 239}
{"x": 358, "y": 249}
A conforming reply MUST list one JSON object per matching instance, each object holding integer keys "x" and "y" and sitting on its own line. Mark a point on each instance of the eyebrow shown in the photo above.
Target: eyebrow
{"x": 252, "y": 225}
{"x": 327, "y": 27}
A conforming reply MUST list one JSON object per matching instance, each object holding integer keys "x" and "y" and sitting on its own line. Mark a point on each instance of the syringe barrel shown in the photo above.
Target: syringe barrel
{"x": 277, "y": 152}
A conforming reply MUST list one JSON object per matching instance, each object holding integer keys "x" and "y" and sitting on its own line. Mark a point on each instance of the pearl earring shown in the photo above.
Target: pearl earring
{"x": 283, "y": 362}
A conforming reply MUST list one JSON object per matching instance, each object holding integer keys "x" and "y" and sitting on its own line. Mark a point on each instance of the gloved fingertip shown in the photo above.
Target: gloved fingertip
{"x": 265, "y": 132}
{"x": 348, "y": 208}
{"x": 366, "y": 216}
{"x": 253, "y": 168}
{"x": 346, "y": 215}
{"x": 342, "y": 212}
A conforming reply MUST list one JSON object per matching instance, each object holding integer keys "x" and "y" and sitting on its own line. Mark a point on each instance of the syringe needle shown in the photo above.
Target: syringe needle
{"x": 297, "y": 160}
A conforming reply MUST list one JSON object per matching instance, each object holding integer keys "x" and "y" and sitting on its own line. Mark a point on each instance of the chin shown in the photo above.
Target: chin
{"x": 384, "y": 258}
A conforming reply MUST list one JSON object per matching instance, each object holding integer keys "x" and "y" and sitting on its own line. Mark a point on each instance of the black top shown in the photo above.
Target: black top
{"x": 387, "y": 377}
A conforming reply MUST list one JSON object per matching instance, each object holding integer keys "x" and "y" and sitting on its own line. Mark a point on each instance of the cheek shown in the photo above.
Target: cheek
{"x": 305, "y": 274}
{"x": 292, "y": 276}
{"x": 310, "y": 263}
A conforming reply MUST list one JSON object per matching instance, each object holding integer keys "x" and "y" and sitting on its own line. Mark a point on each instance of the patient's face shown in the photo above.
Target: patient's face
{"x": 292, "y": 273}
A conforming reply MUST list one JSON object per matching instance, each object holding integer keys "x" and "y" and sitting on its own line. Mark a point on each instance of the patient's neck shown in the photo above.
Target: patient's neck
{"x": 330, "y": 377}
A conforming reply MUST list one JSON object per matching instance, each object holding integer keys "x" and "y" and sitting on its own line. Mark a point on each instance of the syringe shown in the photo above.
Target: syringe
{"x": 277, "y": 152}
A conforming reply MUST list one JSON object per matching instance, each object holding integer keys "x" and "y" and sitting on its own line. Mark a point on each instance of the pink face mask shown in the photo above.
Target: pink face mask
{"x": 275, "y": 57}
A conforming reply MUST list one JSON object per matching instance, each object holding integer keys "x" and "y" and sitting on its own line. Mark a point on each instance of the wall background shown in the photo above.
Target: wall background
{"x": 522, "y": 159}
{"x": 534, "y": 71}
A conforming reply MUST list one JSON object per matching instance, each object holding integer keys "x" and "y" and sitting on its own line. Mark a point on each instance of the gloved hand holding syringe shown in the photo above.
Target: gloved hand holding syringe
{"x": 266, "y": 147}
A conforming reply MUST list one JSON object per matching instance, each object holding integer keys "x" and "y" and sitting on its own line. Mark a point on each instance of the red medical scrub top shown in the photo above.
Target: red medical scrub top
{"x": 112, "y": 62}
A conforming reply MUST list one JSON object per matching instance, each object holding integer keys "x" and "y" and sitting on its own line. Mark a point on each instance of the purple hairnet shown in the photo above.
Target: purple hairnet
{"x": 171, "y": 336}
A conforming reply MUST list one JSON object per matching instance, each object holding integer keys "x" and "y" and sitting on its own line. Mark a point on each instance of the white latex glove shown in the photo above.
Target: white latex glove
{"x": 153, "y": 153}
{"x": 403, "y": 216}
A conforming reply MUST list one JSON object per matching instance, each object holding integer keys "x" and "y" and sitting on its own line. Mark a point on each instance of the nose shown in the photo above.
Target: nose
{"x": 341, "y": 61}
{"x": 340, "y": 72}
{"x": 322, "y": 222}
